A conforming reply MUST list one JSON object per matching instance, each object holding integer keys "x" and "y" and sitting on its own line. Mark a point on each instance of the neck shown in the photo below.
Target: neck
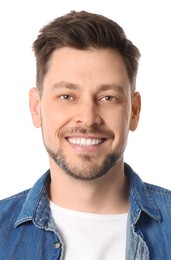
{"x": 107, "y": 195}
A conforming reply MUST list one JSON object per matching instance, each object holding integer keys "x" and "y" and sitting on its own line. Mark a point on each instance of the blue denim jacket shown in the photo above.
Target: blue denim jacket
{"x": 27, "y": 230}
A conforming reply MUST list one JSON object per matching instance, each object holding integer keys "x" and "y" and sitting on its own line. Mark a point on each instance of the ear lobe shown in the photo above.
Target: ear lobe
{"x": 34, "y": 103}
{"x": 136, "y": 108}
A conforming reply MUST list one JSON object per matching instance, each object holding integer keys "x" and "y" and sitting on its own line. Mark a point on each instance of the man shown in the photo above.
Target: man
{"x": 90, "y": 204}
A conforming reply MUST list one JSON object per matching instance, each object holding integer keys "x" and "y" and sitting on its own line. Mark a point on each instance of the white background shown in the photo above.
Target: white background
{"x": 146, "y": 23}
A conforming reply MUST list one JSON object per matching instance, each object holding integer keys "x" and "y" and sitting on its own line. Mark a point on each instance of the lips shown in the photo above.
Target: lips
{"x": 85, "y": 141}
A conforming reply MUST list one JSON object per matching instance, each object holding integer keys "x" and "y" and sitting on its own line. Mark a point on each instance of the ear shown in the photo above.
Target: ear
{"x": 135, "y": 113}
{"x": 34, "y": 103}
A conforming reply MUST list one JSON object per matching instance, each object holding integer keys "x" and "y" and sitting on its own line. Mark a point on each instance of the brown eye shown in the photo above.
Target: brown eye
{"x": 66, "y": 97}
{"x": 109, "y": 98}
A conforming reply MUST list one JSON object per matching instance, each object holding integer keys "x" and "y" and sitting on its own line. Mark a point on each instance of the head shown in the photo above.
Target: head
{"x": 85, "y": 100}
{"x": 82, "y": 31}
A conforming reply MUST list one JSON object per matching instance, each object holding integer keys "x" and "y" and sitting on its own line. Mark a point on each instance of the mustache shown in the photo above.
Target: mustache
{"x": 85, "y": 131}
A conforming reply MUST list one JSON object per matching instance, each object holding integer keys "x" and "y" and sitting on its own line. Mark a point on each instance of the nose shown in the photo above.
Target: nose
{"x": 87, "y": 114}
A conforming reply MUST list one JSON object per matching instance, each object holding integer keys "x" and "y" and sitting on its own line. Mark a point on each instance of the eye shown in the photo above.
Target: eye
{"x": 66, "y": 97}
{"x": 109, "y": 98}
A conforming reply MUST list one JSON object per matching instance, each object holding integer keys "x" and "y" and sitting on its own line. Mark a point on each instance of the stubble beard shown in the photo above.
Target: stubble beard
{"x": 87, "y": 169}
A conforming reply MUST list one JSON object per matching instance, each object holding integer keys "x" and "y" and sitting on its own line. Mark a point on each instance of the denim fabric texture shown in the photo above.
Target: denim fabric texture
{"x": 27, "y": 230}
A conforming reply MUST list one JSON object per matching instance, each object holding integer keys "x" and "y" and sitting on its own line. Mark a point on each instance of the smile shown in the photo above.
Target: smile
{"x": 85, "y": 141}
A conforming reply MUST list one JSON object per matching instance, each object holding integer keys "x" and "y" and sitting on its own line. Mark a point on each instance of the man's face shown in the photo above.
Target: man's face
{"x": 86, "y": 110}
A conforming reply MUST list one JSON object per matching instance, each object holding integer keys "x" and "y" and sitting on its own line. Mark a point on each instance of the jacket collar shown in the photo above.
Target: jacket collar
{"x": 140, "y": 198}
{"x": 36, "y": 206}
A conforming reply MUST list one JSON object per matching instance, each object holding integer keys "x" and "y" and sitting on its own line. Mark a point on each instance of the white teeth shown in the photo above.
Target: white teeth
{"x": 84, "y": 141}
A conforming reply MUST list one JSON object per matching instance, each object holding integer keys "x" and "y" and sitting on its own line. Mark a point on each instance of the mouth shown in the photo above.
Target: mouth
{"x": 86, "y": 141}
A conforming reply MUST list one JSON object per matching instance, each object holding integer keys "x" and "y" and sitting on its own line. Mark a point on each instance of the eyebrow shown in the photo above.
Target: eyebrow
{"x": 114, "y": 87}
{"x": 64, "y": 84}
{"x": 103, "y": 87}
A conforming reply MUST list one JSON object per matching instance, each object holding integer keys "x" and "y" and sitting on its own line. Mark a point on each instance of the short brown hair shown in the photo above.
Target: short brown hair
{"x": 83, "y": 30}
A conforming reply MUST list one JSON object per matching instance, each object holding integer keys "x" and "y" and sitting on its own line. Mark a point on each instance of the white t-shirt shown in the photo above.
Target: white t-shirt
{"x": 88, "y": 236}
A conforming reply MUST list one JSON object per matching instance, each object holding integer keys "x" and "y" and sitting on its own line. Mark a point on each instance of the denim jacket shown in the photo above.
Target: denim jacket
{"x": 27, "y": 230}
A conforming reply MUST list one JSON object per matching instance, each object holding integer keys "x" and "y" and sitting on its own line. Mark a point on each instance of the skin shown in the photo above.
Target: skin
{"x": 86, "y": 111}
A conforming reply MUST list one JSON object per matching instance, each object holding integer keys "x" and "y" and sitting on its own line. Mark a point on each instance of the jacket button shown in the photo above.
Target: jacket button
{"x": 57, "y": 245}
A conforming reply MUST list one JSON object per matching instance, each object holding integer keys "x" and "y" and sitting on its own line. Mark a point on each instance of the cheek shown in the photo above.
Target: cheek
{"x": 118, "y": 123}
{"x": 53, "y": 120}
{"x": 119, "y": 120}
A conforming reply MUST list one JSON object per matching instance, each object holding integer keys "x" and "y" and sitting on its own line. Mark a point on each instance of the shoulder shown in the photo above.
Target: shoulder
{"x": 12, "y": 206}
{"x": 158, "y": 190}
{"x": 159, "y": 200}
{"x": 153, "y": 199}
{"x": 159, "y": 194}
{"x": 16, "y": 201}
{"x": 140, "y": 187}
{"x": 14, "y": 198}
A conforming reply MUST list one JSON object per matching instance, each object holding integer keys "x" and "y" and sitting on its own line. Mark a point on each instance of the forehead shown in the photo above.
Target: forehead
{"x": 86, "y": 67}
